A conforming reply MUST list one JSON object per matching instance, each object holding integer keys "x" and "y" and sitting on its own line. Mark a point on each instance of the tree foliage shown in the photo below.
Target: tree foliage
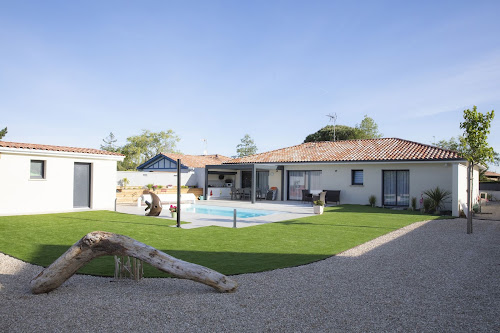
{"x": 3, "y": 132}
{"x": 110, "y": 143}
{"x": 474, "y": 145}
{"x": 142, "y": 147}
{"x": 342, "y": 132}
{"x": 246, "y": 147}
{"x": 451, "y": 144}
{"x": 367, "y": 129}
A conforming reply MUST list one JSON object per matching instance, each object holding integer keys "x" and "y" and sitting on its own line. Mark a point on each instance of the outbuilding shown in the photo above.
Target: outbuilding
{"x": 39, "y": 178}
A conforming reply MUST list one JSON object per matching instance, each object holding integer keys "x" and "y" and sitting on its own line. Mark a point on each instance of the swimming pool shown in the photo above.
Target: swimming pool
{"x": 226, "y": 211}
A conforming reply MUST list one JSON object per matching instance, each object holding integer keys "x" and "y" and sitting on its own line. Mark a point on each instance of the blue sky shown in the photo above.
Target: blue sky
{"x": 73, "y": 71}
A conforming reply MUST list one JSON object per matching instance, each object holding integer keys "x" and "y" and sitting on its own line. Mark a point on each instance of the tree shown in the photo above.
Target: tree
{"x": 110, "y": 143}
{"x": 368, "y": 129}
{"x": 342, "y": 132}
{"x": 246, "y": 147}
{"x": 475, "y": 148}
{"x": 456, "y": 145}
{"x": 451, "y": 144}
{"x": 3, "y": 132}
{"x": 141, "y": 148}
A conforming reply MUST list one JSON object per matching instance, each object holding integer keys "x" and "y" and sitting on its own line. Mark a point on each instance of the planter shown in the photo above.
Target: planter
{"x": 318, "y": 209}
{"x": 174, "y": 215}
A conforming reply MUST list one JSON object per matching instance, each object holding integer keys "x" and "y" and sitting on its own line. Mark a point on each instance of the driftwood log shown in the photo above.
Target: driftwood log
{"x": 101, "y": 243}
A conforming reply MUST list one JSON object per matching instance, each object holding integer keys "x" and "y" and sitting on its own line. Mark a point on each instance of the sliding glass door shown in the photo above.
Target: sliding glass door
{"x": 396, "y": 187}
{"x": 303, "y": 180}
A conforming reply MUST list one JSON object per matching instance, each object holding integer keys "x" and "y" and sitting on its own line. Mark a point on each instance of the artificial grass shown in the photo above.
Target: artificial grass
{"x": 40, "y": 239}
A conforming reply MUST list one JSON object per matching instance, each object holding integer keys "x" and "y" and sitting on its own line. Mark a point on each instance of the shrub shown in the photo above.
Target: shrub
{"x": 372, "y": 200}
{"x": 319, "y": 203}
{"x": 414, "y": 203}
{"x": 427, "y": 205}
{"x": 437, "y": 197}
{"x": 150, "y": 186}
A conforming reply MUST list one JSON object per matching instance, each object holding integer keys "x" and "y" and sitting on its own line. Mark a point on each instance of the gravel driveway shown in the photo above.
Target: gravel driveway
{"x": 427, "y": 277}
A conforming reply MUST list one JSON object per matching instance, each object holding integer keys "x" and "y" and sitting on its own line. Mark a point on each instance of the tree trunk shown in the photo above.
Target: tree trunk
{"x": 100, "y": 243}
{"x": 470, "y": 170}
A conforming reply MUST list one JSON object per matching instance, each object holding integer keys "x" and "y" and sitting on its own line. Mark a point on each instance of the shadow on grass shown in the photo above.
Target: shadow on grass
{"x": 229, "y": 263}
{"x": 161, "y": 222}
{"x": 377, "y": 210}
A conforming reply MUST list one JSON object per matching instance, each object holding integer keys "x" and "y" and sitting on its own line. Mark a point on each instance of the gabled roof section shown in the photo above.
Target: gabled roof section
{"x": 370, "y": 150}
{"x": 189, "y": 161}
{"x": 31, "y": 146}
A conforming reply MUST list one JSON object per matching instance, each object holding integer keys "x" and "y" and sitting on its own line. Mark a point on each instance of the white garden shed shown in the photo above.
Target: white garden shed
{"x": 37, "y": 178}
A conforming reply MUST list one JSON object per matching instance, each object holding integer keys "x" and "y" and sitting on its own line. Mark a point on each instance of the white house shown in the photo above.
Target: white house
{"x": 38, "y": 178}
{"x": 393, "y": 170}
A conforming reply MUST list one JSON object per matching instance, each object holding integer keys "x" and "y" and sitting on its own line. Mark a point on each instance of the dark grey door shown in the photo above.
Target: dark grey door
{"x": 81, "y": 186}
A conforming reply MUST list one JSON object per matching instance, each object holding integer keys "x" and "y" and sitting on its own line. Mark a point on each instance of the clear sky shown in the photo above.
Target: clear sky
{"x": 73, "y": 71}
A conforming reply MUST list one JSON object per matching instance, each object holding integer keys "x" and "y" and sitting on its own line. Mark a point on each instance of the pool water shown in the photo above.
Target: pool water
{"x": 226, "y": 211}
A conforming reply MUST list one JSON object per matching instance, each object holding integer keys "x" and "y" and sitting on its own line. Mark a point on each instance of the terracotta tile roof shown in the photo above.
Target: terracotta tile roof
{"x": 32, "y": 146}
{"x": 389, "y": 149}
{"x": 198, "y": 161}
{"x": 491, "y": 174}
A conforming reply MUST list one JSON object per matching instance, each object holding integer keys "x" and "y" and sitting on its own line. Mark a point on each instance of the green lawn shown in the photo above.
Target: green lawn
{"x": 40, "y": 239}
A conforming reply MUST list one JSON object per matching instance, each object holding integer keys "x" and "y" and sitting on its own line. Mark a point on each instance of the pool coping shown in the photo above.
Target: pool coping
{"x": 285, "y": 211}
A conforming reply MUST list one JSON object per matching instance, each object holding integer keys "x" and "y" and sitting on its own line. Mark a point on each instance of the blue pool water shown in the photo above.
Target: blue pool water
{"x": 225, "y": 211}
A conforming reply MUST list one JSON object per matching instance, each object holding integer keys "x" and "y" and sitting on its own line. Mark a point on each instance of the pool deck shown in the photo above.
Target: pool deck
{"x": 285, "y": 211}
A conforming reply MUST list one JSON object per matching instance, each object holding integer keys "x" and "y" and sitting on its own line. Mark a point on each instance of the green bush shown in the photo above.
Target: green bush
{"x": 437, "y": 197}
{"x": 372, "y": 200}
{"x": 414, "y": 203}
{"x": 427, "y": 205}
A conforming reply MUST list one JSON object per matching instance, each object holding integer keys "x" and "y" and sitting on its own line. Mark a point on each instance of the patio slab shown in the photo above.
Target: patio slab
{"x": 284, "y": 211}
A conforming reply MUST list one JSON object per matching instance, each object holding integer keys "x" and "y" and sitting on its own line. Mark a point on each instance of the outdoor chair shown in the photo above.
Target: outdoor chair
{"x": 332, "y": 196}
{"x": 246, "y": 193}
{"x": 306, "y": 196}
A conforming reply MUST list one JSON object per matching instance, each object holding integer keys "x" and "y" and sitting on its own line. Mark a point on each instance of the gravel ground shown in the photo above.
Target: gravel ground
{"x": 429, "y": 276}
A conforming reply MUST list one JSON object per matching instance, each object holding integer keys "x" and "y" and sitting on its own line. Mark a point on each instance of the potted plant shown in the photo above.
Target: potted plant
{"x": 173, "y": 211}
{"x": 372, "y": 200}
{"x": 318, "y": 207}
{"x": 437, "y": 197}
{"x": 125, "y": 182}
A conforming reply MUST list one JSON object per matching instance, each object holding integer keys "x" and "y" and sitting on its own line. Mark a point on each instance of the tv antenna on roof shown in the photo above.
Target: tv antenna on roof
{"x": 204, "y": 146}
{"x": 333, "y": 117}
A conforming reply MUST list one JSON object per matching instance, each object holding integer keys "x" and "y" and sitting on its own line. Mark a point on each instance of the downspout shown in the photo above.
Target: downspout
{"x": 254, "y": 180}
{"x": 205, "y": 192}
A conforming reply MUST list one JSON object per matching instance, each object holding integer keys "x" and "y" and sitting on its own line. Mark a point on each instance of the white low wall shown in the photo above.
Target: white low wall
{"x": 164, "y": 178}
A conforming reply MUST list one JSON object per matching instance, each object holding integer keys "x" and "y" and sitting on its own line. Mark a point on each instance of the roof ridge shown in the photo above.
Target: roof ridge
{"x": 38, "y": 146}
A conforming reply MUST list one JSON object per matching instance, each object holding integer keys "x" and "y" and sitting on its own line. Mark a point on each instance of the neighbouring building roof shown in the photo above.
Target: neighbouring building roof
{"x": 492, "y": 175}
{"x": 370, "y": 150}
{"x": 32, "y": 146}
{"x": 190, "y": 161}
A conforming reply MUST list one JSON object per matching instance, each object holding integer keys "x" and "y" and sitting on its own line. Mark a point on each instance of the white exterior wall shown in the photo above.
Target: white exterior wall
{"x": 164, "y": 178}
{"x": 21, "y": 195}
{"x": 423, "y": 176}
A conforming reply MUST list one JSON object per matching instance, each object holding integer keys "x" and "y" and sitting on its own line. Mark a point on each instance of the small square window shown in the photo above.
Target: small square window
{"x": 37, "y": 169}
{"x": 357, "y": 177}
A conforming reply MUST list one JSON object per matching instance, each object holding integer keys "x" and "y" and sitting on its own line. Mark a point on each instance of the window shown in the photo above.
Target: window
{"x": 356, "y": 177}
{"x": 37, "y": 169}
{"x": 396, "y": 187}
{"x": 303, "y": 180}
